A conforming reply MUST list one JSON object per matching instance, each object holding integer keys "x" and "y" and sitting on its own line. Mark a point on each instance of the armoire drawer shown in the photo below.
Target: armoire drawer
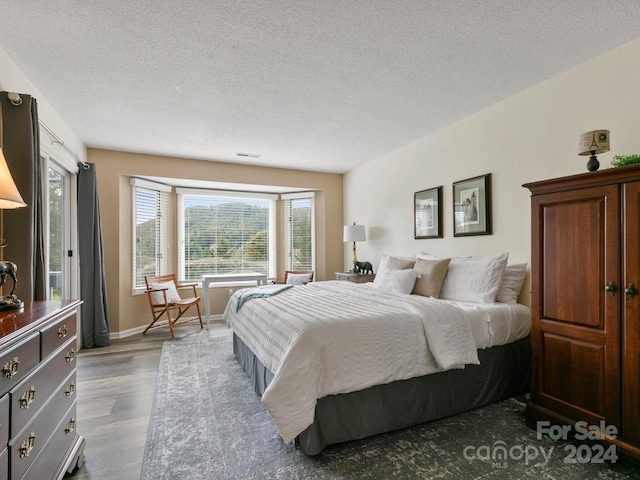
{"x": 28, "y": 444}
{"x": 33, "y": 392}
{"x": 58, "y": 333}
{"x": 18, "y": 361}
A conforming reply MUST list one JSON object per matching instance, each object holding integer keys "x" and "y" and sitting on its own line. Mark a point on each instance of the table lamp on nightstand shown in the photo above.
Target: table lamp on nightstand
{"x": 9, "y": 198}
{"x": 354, "y": 233}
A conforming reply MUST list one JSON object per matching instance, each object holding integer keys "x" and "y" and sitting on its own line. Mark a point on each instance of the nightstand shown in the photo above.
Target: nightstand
{"x": 355, "y": 277}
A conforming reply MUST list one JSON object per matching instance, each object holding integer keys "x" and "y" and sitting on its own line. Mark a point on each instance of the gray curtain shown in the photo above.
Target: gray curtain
{"x": 23, "y": 227}
{"x": 93, "y": 288}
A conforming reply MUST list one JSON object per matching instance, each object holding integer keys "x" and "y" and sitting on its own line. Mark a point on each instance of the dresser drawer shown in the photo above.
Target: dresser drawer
{"x": 33, "y": 392}
{"x": 4, "y": 420}
{"x": 58, "y": 333}
{"x": 18, "y": 361}
{"x": 46, "y": 463}
{"x": 25, "y": 447}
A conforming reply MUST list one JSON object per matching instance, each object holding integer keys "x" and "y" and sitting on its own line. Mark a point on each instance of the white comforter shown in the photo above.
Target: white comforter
{"x": 335, "y": 337}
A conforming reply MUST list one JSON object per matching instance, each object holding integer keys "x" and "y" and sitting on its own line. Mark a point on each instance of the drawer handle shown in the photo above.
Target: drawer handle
{"x": 10, "y": 368}
{"x": 70, "y": 390}
{"x": 68, "y": 430}
{"x": 27, "y": 445}
{"x": 71, "y": 355}
{"x": 62, "y": 331}
{"x": 27, "y": 397}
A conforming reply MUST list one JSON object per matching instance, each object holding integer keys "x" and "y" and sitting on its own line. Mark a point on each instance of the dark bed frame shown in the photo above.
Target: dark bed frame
{"x": 503, "y": 372}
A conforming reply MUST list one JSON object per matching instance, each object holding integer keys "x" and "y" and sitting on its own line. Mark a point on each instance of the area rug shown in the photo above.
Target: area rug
{"x": 208, "y": 423}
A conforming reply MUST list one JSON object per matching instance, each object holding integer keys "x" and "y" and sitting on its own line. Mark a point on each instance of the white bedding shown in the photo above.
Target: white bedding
{"x": 335, "y": 337}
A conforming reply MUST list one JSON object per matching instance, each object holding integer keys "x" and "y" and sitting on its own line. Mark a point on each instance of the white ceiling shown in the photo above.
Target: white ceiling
{"x": 319, "y": 85}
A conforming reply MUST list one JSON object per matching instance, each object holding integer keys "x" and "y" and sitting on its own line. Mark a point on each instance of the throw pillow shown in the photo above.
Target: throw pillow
{"x": 474, "y": 279}
{"x": 172, "y": 293}
{"x": 396, "y": 280}
{"x": 433, "y": 274}
{"x": 298, "y": 278}
{"x": 512, "y": 281}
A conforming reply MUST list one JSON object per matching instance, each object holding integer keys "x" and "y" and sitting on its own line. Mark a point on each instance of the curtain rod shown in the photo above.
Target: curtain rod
{"x": 58, "y": 140}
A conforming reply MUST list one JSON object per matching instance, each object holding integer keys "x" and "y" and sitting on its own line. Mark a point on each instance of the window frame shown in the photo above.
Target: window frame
{"x": 183, "y": 192}
{"x": 163, "y": 228}
{"x": 289, "y": 199}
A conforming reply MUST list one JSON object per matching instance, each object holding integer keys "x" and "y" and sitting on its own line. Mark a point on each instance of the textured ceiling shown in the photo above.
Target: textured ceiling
{"x": 308, "y": 84}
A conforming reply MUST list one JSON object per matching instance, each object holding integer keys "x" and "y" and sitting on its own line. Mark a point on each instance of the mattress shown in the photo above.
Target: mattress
{"x": 336, "y": 337}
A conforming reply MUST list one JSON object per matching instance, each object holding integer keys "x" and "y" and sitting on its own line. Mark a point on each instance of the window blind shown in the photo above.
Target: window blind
{"x": 225, "y": 232}
{"x": 300, "y": 231}
{"x": 150, "y": 230}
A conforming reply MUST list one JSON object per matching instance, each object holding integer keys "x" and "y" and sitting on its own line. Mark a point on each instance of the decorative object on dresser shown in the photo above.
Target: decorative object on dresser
{"x": 38, "y": 397}
{"x": 472, "y": 206}
{"x": 9, "y": 198}
{"x": 427, "y": 213}
{"x": 355, "y": 277}
{"x": 354, "y": 233}
{"x": 585, "y": 331}
{"x": 592, "y": 143}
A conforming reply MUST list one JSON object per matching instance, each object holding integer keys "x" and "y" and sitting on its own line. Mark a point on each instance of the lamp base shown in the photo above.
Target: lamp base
{"x": 10, "y": 302}
{"x": 593, "y": 164}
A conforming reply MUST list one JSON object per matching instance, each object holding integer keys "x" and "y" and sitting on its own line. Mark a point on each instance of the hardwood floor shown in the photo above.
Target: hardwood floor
{"x": 115, "y": 394}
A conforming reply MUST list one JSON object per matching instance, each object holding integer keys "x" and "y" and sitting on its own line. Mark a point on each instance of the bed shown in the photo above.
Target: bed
{"x": 336, "y": 361}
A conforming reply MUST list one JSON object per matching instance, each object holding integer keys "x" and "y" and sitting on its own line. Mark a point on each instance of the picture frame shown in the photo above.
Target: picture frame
{"x": 472, "y": 206}
{"x": 427, "y": 213}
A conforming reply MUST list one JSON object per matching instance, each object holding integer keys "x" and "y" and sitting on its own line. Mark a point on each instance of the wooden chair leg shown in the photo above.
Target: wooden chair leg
{"x": 199, "y": 316}
{"x": 170, "y": 322}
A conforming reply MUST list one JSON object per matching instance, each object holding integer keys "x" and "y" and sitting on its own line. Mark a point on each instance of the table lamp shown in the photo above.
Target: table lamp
{"x": 9, "y": 198}
{"x": 595, "y": 141}
{"x": 354, "y": 233}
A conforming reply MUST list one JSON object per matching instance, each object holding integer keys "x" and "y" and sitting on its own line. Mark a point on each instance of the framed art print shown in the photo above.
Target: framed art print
{"x": 472, "y": 206}
{"x": 427, "y": 213}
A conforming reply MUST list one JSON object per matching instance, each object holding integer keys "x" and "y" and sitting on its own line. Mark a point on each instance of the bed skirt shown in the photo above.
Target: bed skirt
{"x": 503, "y": 372}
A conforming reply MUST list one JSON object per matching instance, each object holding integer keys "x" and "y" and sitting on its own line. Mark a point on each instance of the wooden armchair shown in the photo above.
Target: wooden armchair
{"x": 162, "y": 292}
{"x": 293, "y": 276}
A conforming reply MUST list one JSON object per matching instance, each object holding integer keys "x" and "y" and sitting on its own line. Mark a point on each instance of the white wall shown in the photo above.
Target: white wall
{"x": 12, "y": 79}
{"x": 528, "y": 137}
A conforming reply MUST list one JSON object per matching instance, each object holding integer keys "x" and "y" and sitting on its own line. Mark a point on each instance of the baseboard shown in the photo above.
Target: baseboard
{"x": 162, "y": 323}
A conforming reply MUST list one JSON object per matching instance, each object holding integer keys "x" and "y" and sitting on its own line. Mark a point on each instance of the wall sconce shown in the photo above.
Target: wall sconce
{"x": 354, "y": 233}
{"x": 591, "y": 143}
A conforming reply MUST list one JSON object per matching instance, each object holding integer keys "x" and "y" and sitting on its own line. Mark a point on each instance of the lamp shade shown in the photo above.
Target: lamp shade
{"x": 354, "y": 233}
{"x": 594, "y": 142}
{"x": 9, "y": 195}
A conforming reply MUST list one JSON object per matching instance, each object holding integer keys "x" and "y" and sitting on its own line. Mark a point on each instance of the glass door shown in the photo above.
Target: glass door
{"x": 58, "y": 263}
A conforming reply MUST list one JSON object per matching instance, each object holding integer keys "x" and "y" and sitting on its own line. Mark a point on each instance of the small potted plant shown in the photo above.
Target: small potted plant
{"x": 624, "y": 160}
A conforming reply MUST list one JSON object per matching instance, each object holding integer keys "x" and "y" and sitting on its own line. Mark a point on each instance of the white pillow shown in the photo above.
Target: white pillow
{"x": 396, "y": 280}
{"x": 395, "y": 263}
{"x": 512, "y": 281}
{"x": 298, "y": 278}
{"x": 474, "y": 279}
{"x": 172, "y": 293}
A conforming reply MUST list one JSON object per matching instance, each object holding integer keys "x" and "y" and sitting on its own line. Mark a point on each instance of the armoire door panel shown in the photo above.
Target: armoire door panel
{"x": 631, "y": 316}
{"x": 573, "y": 372}
{"x": 573, "y": 259}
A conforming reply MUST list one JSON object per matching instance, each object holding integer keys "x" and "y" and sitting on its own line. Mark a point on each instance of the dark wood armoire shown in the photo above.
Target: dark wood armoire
{"x": 585, "y": 276}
